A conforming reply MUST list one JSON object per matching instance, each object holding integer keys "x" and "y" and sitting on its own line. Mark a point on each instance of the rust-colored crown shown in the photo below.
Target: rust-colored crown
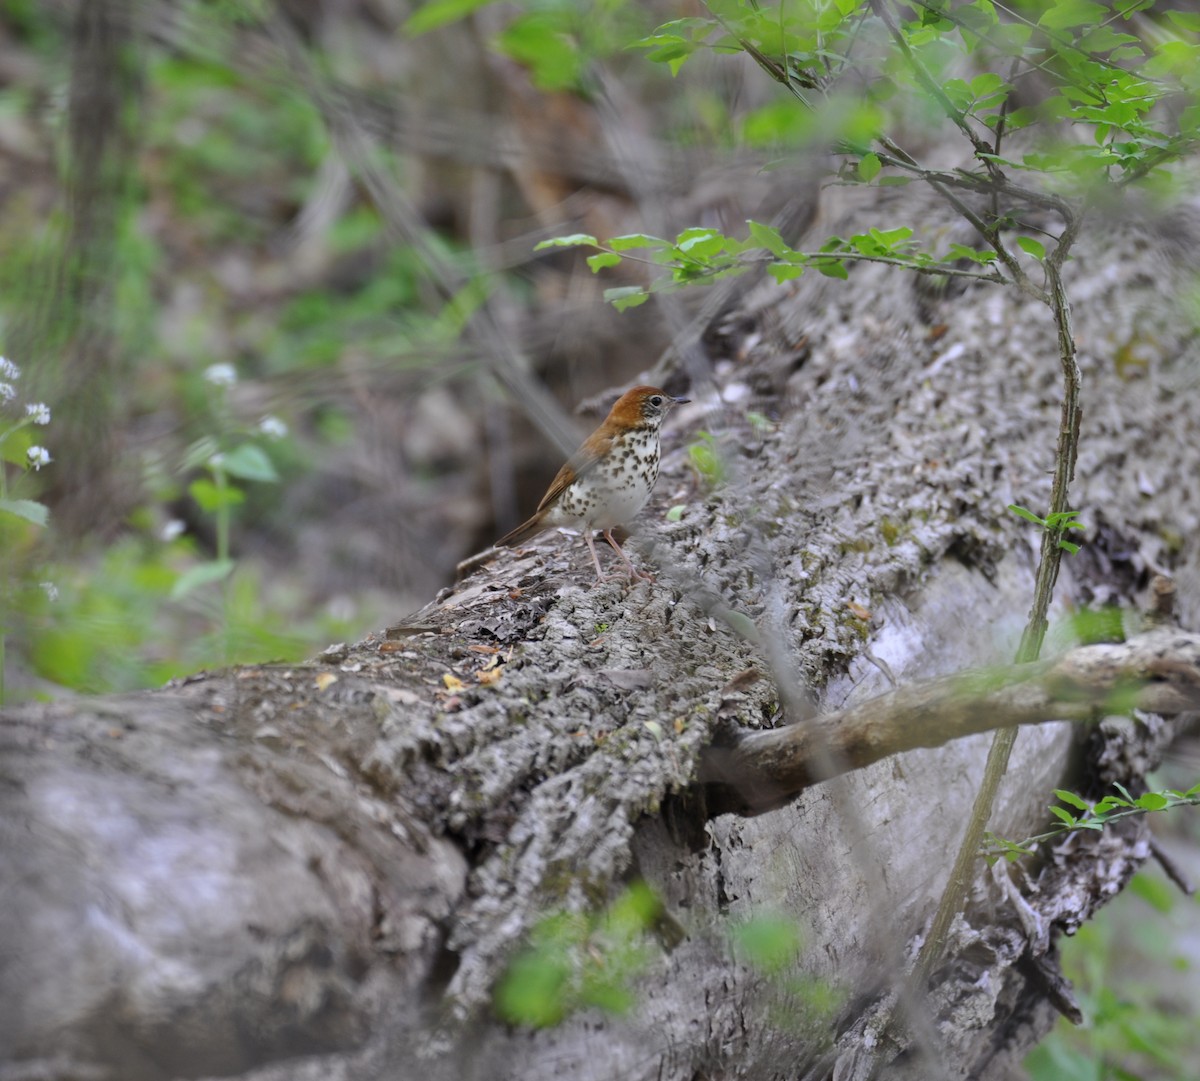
{"x": 639, "y": 406}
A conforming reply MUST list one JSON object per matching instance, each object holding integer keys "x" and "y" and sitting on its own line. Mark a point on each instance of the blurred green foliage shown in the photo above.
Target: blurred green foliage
{"x": 574, "y": 961}
{"x": 224, "y": 161}
{"x": 801, "y": 1002}
{"x": 111, "y": 628}
{"x": 210, "y": 132}
{"x": 1136, "y": 986}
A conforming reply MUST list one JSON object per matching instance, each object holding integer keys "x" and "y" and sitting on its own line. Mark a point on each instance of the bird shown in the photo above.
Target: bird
{"x": 608, "y": 480}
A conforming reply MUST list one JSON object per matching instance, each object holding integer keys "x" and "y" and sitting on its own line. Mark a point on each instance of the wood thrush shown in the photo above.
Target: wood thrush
{"x": 606, "y": 481}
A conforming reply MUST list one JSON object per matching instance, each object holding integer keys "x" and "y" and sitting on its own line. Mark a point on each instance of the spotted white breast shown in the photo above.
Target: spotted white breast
{"x": 615, "y": 489}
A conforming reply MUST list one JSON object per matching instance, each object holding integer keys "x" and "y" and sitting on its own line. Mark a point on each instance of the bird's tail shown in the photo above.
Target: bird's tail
{"x": 522, "y": 533}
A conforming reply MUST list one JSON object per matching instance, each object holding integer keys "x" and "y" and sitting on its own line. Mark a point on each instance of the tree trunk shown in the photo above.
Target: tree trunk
{"x": 338, "y": 860}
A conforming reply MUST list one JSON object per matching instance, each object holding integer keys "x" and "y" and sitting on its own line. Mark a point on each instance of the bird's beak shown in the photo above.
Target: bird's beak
{"x": 681, "y": 401}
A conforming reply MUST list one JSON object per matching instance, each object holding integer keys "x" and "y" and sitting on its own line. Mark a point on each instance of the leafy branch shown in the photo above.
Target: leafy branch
{"x": 1095, "y": 817}
{"x": 700, "y": 255}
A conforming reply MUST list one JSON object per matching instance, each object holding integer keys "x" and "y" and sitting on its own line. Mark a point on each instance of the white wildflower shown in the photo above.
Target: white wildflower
{"x": 38, "y": 457}
{"x": 174, "y": 528}
{"x": 221, "y": 375}
{"x": 8, "y": 370}
{"x": 50, "y": 589}
{"x": 272, "y": 426}
{"x": 7, "y": 392}
{"x": 217, "y": 461}
{"x": 38, "y": 412}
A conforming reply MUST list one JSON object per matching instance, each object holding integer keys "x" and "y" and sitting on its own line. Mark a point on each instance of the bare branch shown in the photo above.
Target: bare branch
{"x": 1158, "y": 671}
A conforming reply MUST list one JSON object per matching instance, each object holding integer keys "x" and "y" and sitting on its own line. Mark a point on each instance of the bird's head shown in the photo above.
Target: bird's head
{"x": 643, "y": 405}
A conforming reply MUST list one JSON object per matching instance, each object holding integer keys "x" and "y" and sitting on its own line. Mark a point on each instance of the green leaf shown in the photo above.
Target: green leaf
{"x": 1028, "y": 515}
{"x": 437, "y": 13}
{"x": 212, "y": 497}
{"x": 200, "y": 575}
{"x": 1155, "y": 891}
{"x": 674, "y": 41}
{"x": 669, "y": 49}
{"x": 768, "y": 943}
{"x": 15, "y": 444}
{"x": 706, "y": 459}
{"x": 575, "y": 240}
{"x": 785, "y": 272}
{"x": 1032, "y": 247}
{"x": 534, "y": 991}
{"x": 1102, "y": 39}
{"x": 958, "y": 92}
{"x": 250, "y": 462}
{"x": 1071, "y": 799}
{"x": 834, "y": 268}
{"x": 675, "y": 514}
{"x": 637, "y": 240}
{"x": 28, "y": 509}
{"x": 602, "y": 260}
{"x": 1068, "y": 546}
{"x": 975, "y": 255}
{"x": 767, "y": 236}
{"x": 1185, "y": 20}
{"x": 608, "y": 996}
{"x": 987, "y": 83}
{"x": 1064, "y": 14}
{"x": 543, "y": 41}
{"x": 700, "y": 243}
{"x": 1065, "y": 816}
{"x": 626, "y": 296}
{"x": 891, "y": 238}
{"x": 868, "y": 167}
{"x": 1152, "y": 801}
{"x": 633, "y": 911}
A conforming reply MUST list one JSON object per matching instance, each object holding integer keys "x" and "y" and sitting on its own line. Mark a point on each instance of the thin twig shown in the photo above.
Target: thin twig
{"x": 1171, "y": 868}
{"x": 934, "y": 89}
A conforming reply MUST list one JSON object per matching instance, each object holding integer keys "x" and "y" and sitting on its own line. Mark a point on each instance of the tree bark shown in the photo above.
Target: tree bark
{"x": 66, "y": 329}
{"x": 322, "y": 870}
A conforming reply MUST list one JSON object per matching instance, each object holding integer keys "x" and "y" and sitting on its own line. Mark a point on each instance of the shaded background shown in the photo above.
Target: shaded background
{"x": 346, "y": 212}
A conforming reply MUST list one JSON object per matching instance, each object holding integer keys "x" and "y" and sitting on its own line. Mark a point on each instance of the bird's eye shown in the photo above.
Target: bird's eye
{"x": 656, "y": 400}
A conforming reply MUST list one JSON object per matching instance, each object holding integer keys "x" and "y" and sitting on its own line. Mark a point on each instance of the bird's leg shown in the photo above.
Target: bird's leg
{"x": 633, "y": 572}
{"x": 587, "y": 536}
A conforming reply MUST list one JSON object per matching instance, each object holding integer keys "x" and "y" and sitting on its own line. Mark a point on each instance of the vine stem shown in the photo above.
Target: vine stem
{"x": 1035, "y": 628}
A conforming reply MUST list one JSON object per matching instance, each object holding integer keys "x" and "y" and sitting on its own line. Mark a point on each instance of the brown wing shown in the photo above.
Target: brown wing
{"x": 582, "y": 462}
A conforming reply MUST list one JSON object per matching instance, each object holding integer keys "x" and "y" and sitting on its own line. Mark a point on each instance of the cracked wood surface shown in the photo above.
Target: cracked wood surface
{"x": 336, "y": 860}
